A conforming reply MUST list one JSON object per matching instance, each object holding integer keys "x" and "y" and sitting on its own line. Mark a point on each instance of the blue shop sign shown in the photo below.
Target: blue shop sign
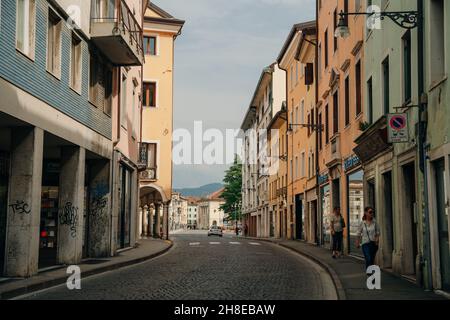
{"x": 351, "y": 162}
{"x": 323, "y": 178}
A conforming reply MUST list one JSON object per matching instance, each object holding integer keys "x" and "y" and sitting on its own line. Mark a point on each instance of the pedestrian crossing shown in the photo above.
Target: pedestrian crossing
{"x": 213, "y": 243}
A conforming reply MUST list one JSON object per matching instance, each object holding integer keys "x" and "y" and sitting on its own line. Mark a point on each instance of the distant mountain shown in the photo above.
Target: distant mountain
{"x": 200, "y": 191}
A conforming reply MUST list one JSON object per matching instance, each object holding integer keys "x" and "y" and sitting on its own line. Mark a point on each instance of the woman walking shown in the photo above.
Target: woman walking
{"x": 368, "y": 236}
{"x": 337, "y": 225}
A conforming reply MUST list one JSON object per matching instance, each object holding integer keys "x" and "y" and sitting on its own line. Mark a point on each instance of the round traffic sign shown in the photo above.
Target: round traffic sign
{"x": 398, "y": 122}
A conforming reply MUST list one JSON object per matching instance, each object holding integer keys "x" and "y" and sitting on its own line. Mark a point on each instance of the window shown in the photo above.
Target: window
{"x": 335, "y": 113}
{"x": 320, "y": 131}
{"x": 150, "y": 46}
{"x": 437, "y": 41}
{"x": 407, "y": 66}
{"x": 369, "y": 101}
{"x": 347, "y": 101}
{"x": 335, "y": 20}
{"x": 296, "y": 116}
{"x": 358, "y": 76}
{"x": 296, "y": 168}
{"x": 292, "y": 77}
{"x": 100, "y": 84}
{"x": 123, "y": 102}
{"x": 25, "y": 24}
{"x": 149, "y": 94}
{"x": 302, "y": 112}
{"x": 327, "y": 125}
{"x": 296, "y": 73}
{"x": 54, "y": 44}
{"x": 303, "y": 165}
{"x": 326, "y": 48}
{"x": 75, "y": 64}
{"x": 385, "y": 68}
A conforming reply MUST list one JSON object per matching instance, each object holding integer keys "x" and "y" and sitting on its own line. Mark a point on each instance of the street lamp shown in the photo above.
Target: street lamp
{"x": 404, "y": 19}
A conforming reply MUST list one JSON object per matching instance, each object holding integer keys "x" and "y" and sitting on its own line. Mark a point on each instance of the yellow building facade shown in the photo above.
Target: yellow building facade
{"x": 297, "y": 59}
{"x": 160, "y": 31}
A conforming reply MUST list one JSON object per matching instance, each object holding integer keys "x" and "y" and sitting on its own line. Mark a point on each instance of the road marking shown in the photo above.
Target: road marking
{"x": 255, "y": 243}
{"x": 235, "y": 243}
{"x": 194, "y": 243}
{"x": 214, "y": 243}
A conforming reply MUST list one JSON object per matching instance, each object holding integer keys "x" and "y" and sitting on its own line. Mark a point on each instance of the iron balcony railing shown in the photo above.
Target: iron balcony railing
{"x": 117, "y": 11}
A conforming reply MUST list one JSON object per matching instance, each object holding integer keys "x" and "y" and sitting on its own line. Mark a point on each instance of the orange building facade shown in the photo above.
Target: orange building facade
{"x": 340, "y": 110}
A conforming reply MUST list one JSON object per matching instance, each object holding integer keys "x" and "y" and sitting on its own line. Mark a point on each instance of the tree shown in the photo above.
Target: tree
{"x": 232, "y": 189}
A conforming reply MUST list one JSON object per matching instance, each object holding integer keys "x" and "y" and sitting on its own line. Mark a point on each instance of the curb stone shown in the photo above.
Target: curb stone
{"x": 60, "y": 280}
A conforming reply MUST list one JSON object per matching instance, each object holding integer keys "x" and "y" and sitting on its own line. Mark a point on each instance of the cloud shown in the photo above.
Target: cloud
{"x": 218, "y": 60}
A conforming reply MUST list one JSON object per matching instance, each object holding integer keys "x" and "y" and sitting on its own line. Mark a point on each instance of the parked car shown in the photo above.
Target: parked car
{"x": 215, "y": 231}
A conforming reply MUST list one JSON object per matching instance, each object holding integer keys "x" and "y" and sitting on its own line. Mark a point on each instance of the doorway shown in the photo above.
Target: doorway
{"x": 442, "y": 219}
{"x": 387, "y": 221}
{"x": 124, "y": 220}
{"x": 49, "y": 213}
{"x": 410, "y": 233}
{"x": 299, "y": 217}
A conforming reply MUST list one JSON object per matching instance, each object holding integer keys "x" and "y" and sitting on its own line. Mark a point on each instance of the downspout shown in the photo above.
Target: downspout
{"x": 318, "y": 130}
{"x": 423, "y": 145}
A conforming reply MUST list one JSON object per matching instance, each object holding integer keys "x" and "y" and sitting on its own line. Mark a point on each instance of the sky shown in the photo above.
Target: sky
{"x": 219, "y": 57}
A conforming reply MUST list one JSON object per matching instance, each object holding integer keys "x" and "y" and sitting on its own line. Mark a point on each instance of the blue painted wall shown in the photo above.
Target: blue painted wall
{"x": 33, "y": 77}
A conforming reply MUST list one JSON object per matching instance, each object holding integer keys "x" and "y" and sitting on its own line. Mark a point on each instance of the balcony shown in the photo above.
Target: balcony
{"x": 148, "y": 174}
{"x": 116, "y": 32}
{"x": 334, "y": 152}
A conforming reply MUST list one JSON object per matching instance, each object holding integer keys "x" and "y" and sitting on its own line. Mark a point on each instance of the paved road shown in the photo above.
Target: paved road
{"x": 208, "y": 268}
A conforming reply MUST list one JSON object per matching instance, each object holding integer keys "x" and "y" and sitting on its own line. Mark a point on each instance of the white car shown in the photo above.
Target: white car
{"x": 215, "y": 231}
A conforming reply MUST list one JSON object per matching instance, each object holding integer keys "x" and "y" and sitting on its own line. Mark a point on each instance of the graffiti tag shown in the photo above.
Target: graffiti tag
{"x": 20, "y": 207}
{"x": 69, "y": 216}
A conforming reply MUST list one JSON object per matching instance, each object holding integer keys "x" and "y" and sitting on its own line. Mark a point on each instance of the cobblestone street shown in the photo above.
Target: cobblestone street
{"x": 202, "y": 267}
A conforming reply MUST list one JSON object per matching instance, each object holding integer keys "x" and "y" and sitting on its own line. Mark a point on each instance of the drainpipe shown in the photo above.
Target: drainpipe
{"x": 318, "y": 130}
{"x": 423, "y": 146}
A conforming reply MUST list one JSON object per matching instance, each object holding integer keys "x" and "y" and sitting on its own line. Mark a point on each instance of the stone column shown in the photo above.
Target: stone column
{"x": 71, "y": 205}
{"x": 140, "y": 224}
{"x": 150, "y": 213}
{"x": 99, "y": 243}
{"x": 24, "y": 202}
{"x": 145, "y": 221}
{"x": 165, "y": 234}
{"x": 156, "y": 232}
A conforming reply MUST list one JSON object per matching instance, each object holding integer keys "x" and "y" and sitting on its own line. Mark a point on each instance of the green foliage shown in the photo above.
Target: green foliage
{"x": 232, "y": 189}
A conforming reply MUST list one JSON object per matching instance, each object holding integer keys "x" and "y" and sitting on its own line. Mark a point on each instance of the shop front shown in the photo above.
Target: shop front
{"x": 321, "y": 224}
{"x": 4, "y": 166}
{"x": 355, "y": 202}
{"x": 124, "y": 221}
{"x": 48, "y": 233}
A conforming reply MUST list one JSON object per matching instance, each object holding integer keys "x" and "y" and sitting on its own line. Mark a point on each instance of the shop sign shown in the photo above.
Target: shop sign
{"x": 397, "y": 124}
{"x": 351, "y": 162}
{"x": 323, "y": 178}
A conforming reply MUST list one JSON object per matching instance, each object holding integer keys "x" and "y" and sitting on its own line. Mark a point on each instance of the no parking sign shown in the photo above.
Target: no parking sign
{"x": 397, "y": 124}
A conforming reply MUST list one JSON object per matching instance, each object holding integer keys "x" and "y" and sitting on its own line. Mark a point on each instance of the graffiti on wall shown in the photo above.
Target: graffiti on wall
{"x": 98, "y": 215}
{"x": 20, "y": 207}
{"x": 69, "y": 216}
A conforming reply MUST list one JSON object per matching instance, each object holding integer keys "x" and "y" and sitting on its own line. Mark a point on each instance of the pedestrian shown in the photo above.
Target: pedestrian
{"x": 368, "y": 236}
{"x": 245, "y": 229}
{"x": 337, "y": 225}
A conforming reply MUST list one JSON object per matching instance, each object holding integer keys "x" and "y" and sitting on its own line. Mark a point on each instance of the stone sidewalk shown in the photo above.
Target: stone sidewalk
{"x": 144, "y": 250}
{"x": 350, "y": 279}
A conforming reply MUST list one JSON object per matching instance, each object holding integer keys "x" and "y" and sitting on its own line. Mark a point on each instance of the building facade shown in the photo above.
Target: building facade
{"x": 192, "y": 214}
{"x": 178, "y": 212}
{"x": 160, "y": 32}
{"x": 437, "y": 58}
{"x": 297, "y": 58}
{"x": 340, "y": 64}
{"x": 209, "y": 211}
{"x": 68, "y": 167}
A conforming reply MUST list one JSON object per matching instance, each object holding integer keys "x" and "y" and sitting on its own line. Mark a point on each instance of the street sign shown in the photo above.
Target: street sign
{"x": 397, "y": 124}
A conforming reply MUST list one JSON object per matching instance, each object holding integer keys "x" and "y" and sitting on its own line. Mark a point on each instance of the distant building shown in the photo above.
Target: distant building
{"x": 178, "y": 212}
{"x": 192, "y": 213}
{"x": 209, "y": 212}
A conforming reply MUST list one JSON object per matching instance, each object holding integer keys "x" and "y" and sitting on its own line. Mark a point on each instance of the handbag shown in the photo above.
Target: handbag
{"x": 373, "y": 244}
{"x": 342, "y": 222}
